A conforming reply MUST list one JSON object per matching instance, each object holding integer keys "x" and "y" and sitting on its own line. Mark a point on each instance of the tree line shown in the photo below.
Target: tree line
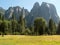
{"x": 39, "y": 27}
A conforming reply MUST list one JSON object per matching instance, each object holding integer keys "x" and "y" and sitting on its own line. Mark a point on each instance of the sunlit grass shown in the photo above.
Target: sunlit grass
{"x": 29, "y": 40}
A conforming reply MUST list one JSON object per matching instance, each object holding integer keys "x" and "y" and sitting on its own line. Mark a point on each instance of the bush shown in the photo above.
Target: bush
{"x": 27, "y": 32}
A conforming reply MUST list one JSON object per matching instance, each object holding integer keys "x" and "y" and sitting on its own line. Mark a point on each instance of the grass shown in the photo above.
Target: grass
{"x": 29, "y": 40}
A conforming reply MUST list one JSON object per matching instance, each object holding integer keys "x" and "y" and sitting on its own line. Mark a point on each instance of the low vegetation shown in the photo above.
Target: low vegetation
{"x": 29, "y": 40}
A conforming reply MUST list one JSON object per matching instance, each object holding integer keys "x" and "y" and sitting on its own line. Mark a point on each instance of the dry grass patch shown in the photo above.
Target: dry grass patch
{"x": 29, "y": 40}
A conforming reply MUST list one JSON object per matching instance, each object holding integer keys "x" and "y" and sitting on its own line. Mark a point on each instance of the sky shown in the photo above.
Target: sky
{"x": 28, "y": 4}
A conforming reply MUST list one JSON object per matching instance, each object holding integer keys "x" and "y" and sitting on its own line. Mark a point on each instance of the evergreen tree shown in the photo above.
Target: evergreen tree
{"x": 31, "y": 28}
{"x": 0, "y": 16}
{"x": 22, "y": 22}
{"x": 9, "y": 28}
{"x": 58, "y": 29}
{"x": 0, "y": 22}
{"x": 4, "y": 27}
{"x": 52, "y": 27}
{"x": 13, "y": 24}
{"x": 39, "y": 26}
{"x": 22, "y": 25}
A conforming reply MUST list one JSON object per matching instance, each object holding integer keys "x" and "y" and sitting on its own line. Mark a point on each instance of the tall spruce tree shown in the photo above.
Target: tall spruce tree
{"x": 58, "y": 29}
{"x": 3, "y": 26}
{"x": 22, "y": 21}
{"x": 52, "y": 27}
{"x": 13, "y": 24}
{"x": 0, "y": 16}
{"x": 0, "y": 22}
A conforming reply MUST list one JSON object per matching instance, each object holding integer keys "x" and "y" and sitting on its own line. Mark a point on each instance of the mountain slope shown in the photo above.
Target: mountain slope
{"x": 2, "y": 10}
{"x": 46, "y": 10}
{"x": 16, "y": 11}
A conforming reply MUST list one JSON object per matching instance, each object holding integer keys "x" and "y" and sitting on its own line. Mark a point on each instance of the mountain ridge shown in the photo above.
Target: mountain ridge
{"x": 45, "y": 10}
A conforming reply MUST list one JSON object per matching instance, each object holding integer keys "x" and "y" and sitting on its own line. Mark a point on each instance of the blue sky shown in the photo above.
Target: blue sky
{"x": 28, "y": 4}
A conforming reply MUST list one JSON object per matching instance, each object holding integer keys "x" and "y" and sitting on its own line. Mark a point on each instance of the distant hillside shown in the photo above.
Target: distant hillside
{"x": 2, "y": 10}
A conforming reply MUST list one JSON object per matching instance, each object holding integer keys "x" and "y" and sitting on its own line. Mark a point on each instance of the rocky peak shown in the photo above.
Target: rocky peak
{"x": 45, "y": 4}
{"x": 36, "y": 5}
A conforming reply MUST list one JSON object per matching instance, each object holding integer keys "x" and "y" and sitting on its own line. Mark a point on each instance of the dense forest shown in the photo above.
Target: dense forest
{"x": 39, "y": 27}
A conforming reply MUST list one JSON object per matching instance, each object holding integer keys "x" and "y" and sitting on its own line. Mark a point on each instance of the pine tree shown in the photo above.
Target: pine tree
{"x": 52, "y": 27}
{"x": 58, "y": 29}
{"x": 13, "y": 24}
{"x": 22, "y": 22}
{"x": 0, "y": 16}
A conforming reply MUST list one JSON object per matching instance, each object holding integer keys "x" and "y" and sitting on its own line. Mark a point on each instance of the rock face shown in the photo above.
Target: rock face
{"x": 46, "y": 10}
{"x": 49, "y": 11}
{"x": 35, "y": 12}
{"x": 16, "y": 11}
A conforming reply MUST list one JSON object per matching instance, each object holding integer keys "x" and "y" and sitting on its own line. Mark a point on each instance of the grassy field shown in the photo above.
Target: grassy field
{"x": 29, "y": 40}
